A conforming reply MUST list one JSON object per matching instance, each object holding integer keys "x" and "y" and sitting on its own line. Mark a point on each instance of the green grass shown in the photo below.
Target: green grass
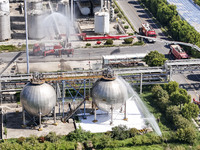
{"x": 13, "y": 48}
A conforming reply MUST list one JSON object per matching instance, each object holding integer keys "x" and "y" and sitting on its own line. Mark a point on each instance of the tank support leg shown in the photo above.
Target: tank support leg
{"x": 54, "y": 116}
{"x": 125, "y": 112}
{"x": 95, "y": 115}
{"x": 111, "y": 108}
{"x": 23, "y": 117}
{"x": 40, "y": 121}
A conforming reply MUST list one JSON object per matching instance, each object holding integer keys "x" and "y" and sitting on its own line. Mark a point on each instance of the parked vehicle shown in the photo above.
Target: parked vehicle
{"x": 178, "y": 52}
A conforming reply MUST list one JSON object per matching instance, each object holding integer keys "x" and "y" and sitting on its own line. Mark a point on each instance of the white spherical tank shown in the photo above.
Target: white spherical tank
{"x": 35, "y": 24}
{"x": 4, "y": 5}
{"x": 5, "y": 33}
{"x": 38, "y": 98}
{"x": 96, "y": 9}
{"x": 84, "y": 7}
{"x": 101, "y": 23}
{"x": 109, "y": 93}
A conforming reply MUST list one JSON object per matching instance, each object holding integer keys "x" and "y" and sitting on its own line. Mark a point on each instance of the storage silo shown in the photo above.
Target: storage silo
{"x": 5, "y": 33}
{"x": 35, "y": 5}
{"x": 4, "y": 5}
{"x": 101, "y": 23}
{"x": 35, "y": 24}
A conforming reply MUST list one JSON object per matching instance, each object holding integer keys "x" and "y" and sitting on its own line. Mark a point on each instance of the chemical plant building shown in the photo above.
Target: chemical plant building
{"x": 52, "y": 101}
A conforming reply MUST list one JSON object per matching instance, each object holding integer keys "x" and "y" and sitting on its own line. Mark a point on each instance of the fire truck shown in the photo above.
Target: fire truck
{"x": 50, "y": 48}
{"x": 178, "y": 52}
{"x": 148, "y": 31}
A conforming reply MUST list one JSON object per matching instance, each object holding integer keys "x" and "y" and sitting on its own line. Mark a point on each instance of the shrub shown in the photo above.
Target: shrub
{"x": 88, "y": 44}
{"x": 128, "y": 41}
{"x": 133, "y": 132}
{"x": 116, "y": 10}
{"x": 101, "y": 141}
{"x": 126, "y": 27}
{"x": 120, "y": 132}
{"x": 137, "y": 140}
{"x": 20, "y": 140}
{"x": 52, "y": 137}
{"x": 119, "y": 15}
{"x": 109, "y": 41}
{"x": 130, "y": 33}
{"x": 79, "y": 135}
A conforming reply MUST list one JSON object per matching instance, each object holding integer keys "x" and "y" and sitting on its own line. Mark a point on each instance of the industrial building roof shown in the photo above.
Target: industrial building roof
{"x": 189, "y": 11}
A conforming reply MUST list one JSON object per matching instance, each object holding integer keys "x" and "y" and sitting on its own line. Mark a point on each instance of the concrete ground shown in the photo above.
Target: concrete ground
{"x": 13, "y": 124}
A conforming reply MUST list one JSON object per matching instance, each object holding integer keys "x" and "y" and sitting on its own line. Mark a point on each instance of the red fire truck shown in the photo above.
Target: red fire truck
{"x": 55, "y": 49}
{"x": 148, "y": 31}
{"x": 178, "y": 52}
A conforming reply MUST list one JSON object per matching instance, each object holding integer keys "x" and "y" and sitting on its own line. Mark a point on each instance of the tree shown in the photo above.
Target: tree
{"x": 172, "y": 111}
{"x": 154, "y": 59}
{"x": 172, "y": 86}
{"x": 187, "y": 135}
{"x": 190, "y": 110}
{"x": 178, "y": 99}
{"x": 181, "y": 122}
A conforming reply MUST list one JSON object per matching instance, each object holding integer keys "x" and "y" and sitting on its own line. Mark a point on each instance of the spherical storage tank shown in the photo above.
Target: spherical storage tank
{"x": 109, "y": 93}
{"x": 35, "y": 24}
{"x": 5, "y": 33}
{"x": 84, "y": 7}
{"x": 36, "y": 98}
{"x": 101, "y": 22}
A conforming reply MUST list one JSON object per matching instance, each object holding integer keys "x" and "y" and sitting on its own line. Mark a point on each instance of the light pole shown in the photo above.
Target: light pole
{"x": 26, "y": 27}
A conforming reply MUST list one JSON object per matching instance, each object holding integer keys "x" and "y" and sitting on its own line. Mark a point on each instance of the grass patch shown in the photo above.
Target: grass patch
{"x": 13, "y": 48}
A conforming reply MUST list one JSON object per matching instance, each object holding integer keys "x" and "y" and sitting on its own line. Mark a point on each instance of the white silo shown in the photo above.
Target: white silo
{"x": 101, "y": 23}
{"x": 35, "y": 24}
{"x": 5, "y": 33}
{"x": 4, "y": 5}
{"x": 35, "y": 5}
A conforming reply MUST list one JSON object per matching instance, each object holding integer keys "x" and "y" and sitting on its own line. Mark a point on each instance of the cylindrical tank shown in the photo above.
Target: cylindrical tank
{"x": 5, "y": 33}
{"x": 35, "y": 5}
{"x": 109, "y": 93}
{"x": 35, "y": 24}
{"x": 4, "y": 5}
{"x": 84, "y": 7}
{"x": 36, "y": 98}
{"x": 101, "y": 22}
